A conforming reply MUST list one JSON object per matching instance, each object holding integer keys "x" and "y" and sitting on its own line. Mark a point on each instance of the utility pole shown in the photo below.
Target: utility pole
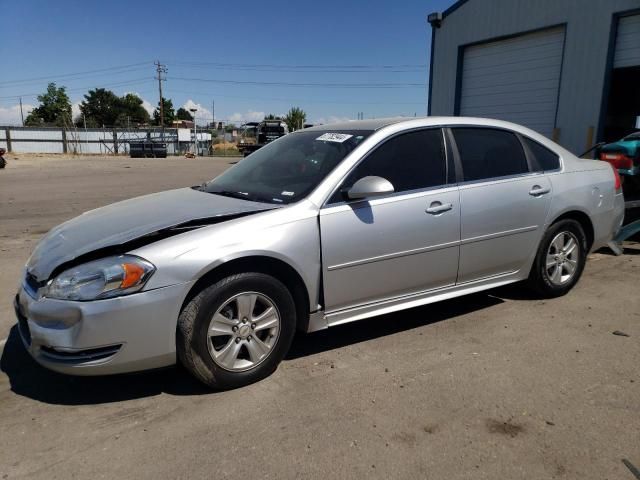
{"x": 160, "y": 70}
{"x": 213, "y": 114}
{"x": 21, "y": 112}
{"x": 195, "y": 131}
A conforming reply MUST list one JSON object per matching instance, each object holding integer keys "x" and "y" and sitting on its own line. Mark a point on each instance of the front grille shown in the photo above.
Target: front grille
{"x": 79, "y": 356}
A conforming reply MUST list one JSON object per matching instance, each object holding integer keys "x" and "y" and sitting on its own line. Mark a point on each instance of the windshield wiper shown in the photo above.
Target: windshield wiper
{"x": 251, "y": 197}
{"x": 202, "y": 187}
{"x": 231, "y": 193}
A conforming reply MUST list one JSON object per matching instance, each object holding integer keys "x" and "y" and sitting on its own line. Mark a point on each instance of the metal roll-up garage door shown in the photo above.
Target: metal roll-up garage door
{"x": 628, "y": 42}
{"x": 515, "y": 79}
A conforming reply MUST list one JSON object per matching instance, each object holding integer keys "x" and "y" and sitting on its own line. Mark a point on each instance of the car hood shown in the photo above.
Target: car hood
{"x": 125, "y": 221}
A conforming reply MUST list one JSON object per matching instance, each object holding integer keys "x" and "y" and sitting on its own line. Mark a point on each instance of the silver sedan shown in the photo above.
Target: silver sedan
{"x": 324, "y": 226}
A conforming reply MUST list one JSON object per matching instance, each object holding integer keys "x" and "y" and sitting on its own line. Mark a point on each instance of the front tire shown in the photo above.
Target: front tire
{"x": 236, "y": 331}
{"x": 560, "y": 259}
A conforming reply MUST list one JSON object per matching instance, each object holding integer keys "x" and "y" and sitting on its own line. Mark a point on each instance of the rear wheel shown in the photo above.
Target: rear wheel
{"x": 560, "y": 259}
{"x": 237, "y": 331}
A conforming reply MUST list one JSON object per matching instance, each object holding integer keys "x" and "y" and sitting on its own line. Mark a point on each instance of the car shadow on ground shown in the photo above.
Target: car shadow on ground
{"x": 30, "y": 380}
{"x": 352, "y": 333}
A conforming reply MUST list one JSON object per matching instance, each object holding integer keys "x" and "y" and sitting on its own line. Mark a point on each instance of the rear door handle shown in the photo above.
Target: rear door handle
{"x": 438, "y": 207}
{"x": 537, "y": 190}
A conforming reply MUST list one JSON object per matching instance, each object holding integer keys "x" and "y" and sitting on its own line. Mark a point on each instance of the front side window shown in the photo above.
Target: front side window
{"x": 410, "y": 161}
{"x": 487, "y": 153}
{"x": 288, "y": 169}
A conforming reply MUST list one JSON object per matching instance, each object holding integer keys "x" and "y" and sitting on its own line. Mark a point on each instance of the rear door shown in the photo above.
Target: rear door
{"x": 503, "y": 202}
{"x": 404, "y": 243}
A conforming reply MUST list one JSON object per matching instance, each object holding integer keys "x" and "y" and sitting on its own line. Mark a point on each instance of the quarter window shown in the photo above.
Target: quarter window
{"x": 410, "y": 161}
{"x": 547, "y": 160}
{"x": 489, "y": 153}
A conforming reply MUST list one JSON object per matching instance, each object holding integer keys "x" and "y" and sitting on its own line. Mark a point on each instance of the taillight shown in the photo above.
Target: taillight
{"x": 618, "y": 160}
{"x": 618, "y": 181}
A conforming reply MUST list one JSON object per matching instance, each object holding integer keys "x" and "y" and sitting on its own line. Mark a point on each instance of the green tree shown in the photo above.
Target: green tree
{"x": 271, "y": 116}
{"x": 100, "y": 108}
{"x": 295, "y": 119}
{"x": 132, "y": 111}
{"x": 54, "y": 108}
{"x": 169, "y": 113}
{"x": 184, "y": 114}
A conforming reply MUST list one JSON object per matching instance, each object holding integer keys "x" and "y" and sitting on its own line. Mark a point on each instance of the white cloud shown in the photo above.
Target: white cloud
{"x": 75, "y": 111}
{"x": 11, "y": 115}
{"x": 331, "y": 119}
{"x": 147, "y": 105}
{"x": 249, "y": 116}
{"x": 203, "y": 115}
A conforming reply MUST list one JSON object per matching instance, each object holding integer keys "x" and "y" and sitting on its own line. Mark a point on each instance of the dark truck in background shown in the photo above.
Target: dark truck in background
{"x": 257, "y": 134}
{"x": 147, "y": 149}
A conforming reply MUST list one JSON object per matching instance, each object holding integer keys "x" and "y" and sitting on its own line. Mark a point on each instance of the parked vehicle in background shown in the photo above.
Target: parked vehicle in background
{"x": 323, "y": 226}
{"x": 258, "y": 134}
{"x": 147, "y": 149}
{"x": 3, "y": 162}
{"x": 624, "y": 155}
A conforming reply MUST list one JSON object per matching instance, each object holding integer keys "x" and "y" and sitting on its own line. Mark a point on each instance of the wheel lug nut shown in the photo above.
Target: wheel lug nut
{"x": 237, "y": 339}
{"x": 253, "y": 326}
{"x": 249, "y": 338}
{"x": 244, "y": 320}
{"x": 235, "y": 329}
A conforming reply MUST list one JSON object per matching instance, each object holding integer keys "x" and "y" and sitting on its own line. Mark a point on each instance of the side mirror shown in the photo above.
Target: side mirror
{"x": 370, "y": 187}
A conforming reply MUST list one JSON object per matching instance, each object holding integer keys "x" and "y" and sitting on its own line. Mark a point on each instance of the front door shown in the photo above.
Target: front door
{"x": 406, "y": 242}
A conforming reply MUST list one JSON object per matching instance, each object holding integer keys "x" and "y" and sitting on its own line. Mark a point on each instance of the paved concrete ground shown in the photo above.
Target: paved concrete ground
{"x": 495, "y": 385}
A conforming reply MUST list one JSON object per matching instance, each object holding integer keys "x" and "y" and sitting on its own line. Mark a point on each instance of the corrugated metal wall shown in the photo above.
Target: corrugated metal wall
{"x": 515, "y": 79}
{"x": 585, "y": 56}
{"x": 90, "y": 141}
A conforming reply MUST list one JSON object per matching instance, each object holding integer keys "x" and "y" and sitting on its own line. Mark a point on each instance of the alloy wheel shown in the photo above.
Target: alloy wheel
{"x": 562, "y": 258}
{"x": 243, "y": 331}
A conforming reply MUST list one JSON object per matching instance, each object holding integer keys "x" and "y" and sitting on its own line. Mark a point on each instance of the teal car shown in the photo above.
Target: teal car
{"x": 625, "y": 156}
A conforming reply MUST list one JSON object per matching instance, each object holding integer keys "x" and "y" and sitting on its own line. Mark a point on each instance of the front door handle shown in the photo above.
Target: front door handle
{"x": 437, "y": 208}
{"x": 537, "y": 190}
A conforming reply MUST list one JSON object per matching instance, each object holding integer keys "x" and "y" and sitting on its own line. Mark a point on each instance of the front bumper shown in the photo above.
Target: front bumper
{"x": 125, "y": 334}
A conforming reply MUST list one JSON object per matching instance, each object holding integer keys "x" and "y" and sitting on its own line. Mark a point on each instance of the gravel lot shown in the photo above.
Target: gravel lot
{"x": 491, "y": 386}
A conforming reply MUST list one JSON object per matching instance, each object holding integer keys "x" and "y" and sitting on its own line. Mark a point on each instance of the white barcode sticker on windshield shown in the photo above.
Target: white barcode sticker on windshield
{"x": 334, "y": 137}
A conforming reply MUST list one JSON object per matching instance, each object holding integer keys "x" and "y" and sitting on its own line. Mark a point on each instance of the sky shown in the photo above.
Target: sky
{"x": 333, "y": 59}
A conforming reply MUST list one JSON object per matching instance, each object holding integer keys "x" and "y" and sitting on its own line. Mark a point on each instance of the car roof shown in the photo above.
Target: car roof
{"x": 421, "y": 122}
{"x": 369, "y": 124}
{"x": 378, "y": 123}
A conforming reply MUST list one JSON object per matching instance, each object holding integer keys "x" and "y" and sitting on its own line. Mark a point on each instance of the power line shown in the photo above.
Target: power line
{"x": 302, "y": 67}
{"x": 293, "y": 100}
{"x": 291, "y": 84}
{"x": 71, "y": 81}
{"x": 93, "y": 87}
{"x": 307, "y": 69}
{"x": 66, "y": 75}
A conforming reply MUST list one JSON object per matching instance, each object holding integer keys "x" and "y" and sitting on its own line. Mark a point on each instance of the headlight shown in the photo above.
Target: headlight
{"x": 105, "y": 278}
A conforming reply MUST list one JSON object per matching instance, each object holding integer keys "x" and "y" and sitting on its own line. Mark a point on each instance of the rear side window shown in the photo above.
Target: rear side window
{"x": 547, "y": 160}
{"x": 488, "y": 153}
{"x": 410, "y": 161}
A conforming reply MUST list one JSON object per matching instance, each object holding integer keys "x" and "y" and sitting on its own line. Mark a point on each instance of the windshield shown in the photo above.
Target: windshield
{"x": 289, "y": 168}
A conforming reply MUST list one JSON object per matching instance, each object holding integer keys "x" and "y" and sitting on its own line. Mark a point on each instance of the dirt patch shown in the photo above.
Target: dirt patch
{"x": 430, "y": 429}
{"x": 504, "y": 428}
